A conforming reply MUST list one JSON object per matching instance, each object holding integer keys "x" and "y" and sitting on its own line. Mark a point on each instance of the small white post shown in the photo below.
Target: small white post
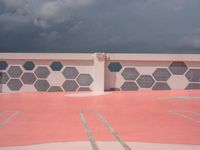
{"x": 99, "y": 71}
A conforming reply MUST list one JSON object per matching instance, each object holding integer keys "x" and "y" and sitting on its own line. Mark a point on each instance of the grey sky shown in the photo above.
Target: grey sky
{"x": 159, "y": 26}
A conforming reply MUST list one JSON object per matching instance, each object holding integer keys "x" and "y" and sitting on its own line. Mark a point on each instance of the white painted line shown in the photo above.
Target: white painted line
{"x": 86, "y": 94}
{"x": 179, "y": 113}
{"x": 80, "y": 145}
{"x": 8, "y": 119}
{"x": 183, "y": 98}
{"x": 89, "y": 133}
{"x": 4, "y": 94}
{"x": 114, "y": 133}
{"x": 8, "y": 93}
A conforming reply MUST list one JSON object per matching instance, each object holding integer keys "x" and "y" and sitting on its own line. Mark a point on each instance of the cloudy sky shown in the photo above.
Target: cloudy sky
{"x": 137, "y": 26}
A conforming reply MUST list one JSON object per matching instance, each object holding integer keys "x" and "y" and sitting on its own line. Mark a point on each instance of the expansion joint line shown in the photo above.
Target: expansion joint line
{"x": 107, "y": 124}
{"x": 114, "y": 133}
{"x": 88, "y": 132}
{"x": 8, "y": 119}
{"x": 180, "y": 113}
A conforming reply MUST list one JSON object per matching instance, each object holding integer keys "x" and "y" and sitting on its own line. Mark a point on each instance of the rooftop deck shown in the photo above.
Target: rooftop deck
{"x": 142, "y": 120}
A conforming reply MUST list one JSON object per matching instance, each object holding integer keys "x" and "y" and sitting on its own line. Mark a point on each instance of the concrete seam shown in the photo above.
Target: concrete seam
{"x": 88, "y": 132}
{"x": 114, "y": 133}
{"x": 8, "y": 119}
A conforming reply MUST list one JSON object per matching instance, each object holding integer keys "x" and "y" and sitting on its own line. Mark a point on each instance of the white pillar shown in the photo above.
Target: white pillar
{"x": 99, "y": 71}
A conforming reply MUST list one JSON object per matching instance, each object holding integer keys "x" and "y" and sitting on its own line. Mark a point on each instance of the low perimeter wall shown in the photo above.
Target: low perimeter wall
{"x": 53, "y": 72}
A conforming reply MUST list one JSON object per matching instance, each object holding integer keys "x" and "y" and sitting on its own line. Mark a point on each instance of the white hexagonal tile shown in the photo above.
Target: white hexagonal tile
{"x": 28, "y": 88}
{"x": 56, "y": 79}
{"x": 177, "y": 82}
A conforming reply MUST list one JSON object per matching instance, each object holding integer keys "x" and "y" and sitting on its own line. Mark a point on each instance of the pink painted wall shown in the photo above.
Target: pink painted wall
{"x": 98, "y": 72}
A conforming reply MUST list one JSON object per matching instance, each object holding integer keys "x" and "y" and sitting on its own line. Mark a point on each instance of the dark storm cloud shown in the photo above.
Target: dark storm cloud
{"x": 171, "y": 26}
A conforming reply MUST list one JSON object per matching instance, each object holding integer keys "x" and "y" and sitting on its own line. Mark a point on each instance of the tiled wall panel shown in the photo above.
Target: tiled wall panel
{"x": 143, "y": 75}
{"x": 45, "y": 76}
{"x": 78, "y": 75}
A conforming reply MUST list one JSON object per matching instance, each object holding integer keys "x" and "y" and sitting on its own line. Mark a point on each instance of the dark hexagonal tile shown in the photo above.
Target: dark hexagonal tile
{"x": 178, "y": 68}
{"x": 193, "y": 75}
{"x": 70, "y": 85}
{"x": 161, "y": 74}
{"x": 28, "y": 78}
{"x": 41, "y": 85}
{"x": 29, "y": 65}
{"x": 55, "y": 89}
{"x": 15, "y": 71}
{"x": 14, "y": 84}
{"x": 70, "y": 72}
{"x": 84, "y": 80}
{"x": 3, "y": 65}
{"x": 42, "y": 72}
{"x": 161, "y": 86}
{"x": 3, "y": 78}
{"x": 115, "y": 67}
{"x": 193, "y": 86}
{"x": 84, "y": 89}
{"x": 129, "y": 86}
{"x": 56, "y": 66}
{"x": 130, "y": 74}
{"x": 145, "y": 81}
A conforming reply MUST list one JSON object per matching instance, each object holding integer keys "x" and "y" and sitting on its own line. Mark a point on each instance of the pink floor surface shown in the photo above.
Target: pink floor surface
{"x": 168, "y": 117}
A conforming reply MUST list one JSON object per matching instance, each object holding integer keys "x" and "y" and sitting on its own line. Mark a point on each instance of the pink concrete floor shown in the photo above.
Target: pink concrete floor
{"x": 167, "y": 117}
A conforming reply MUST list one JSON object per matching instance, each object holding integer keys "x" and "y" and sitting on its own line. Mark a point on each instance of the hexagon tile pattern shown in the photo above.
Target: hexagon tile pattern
{"x": 70, "y": 85}
{"x": 193, "y": 75}
{"x": 161, "y": 78}
{"x": 28, "y": 78}
{"x": 193, "y": 86}
{"x": 3, "y": 78}
{"x": 145, "y": 81}
{"x": 14, "y": 84}
{"x": 56, "y": 66}
{"x": 114, "y": 66}
{"x": 3, "y": 65}
{"x": 42, "y": 72}
{"x": 37, "y": 78}
{"x": 161, "y": 74}
{"x": 29, "y": 65}
{"x": 15, "y": 71}
{"x": 161, "y": 86}
{"x": 70, "y": 72}
{"x": 84, "y": 80}
{"x": 178, "y": 68}
{"x": 129, "y": 86}
{"x": 41, "y": 85}
{"x": 130, "y": 74}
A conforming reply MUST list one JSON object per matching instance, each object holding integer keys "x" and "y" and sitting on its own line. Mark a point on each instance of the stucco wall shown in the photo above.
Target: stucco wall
{"x": 147, "y": 75}
{"x": 80, "y": 72}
